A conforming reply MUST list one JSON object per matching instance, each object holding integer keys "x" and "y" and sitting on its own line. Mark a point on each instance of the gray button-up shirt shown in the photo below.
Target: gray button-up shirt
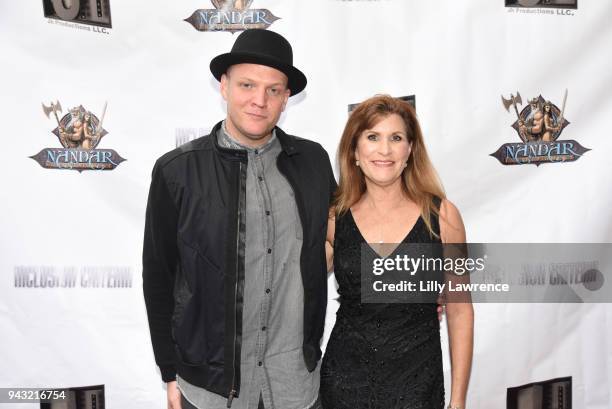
{"x": 271, "y": 361}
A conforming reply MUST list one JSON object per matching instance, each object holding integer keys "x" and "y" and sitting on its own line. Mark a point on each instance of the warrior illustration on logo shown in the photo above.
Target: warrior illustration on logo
{"x": 79, "y": 128}
{"x": 232, "y": 5}
{"x": 541, "y": 120}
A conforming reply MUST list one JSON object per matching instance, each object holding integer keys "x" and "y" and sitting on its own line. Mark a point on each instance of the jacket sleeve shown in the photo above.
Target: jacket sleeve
{"x": 159, "y": 261}
{"x": 332, "y": 180}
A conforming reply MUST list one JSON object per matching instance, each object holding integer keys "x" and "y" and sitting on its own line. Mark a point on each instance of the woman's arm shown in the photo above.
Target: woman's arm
{"x": 329, "y": 241}
{"x": 460, "y": 315}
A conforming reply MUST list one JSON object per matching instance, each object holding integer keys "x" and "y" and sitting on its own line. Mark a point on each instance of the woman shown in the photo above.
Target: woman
{"x": 550, "y": 120}
{"x": 389, "y": 355}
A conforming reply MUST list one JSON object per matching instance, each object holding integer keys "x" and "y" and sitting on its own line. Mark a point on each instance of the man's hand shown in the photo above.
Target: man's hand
{"x": 174, "y": 396}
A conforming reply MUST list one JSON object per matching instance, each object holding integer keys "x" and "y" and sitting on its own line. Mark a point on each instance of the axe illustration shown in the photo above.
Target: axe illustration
{"x": 53, "y": 108}
{"x": 513, "y": 101}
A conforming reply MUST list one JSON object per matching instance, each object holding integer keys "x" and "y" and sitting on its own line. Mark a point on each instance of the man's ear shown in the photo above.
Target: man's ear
{"x": 224, "y": 86}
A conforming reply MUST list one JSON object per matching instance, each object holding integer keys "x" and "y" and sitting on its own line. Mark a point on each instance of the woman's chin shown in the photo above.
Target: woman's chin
{"x": 383, "y": 180}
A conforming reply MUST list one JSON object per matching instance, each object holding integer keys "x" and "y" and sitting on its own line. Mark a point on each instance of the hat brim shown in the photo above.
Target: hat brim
{"x": 296, "y": 79}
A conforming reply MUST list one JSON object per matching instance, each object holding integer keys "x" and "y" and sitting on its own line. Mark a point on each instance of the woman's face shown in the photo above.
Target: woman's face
{"x": 382, "y": 151}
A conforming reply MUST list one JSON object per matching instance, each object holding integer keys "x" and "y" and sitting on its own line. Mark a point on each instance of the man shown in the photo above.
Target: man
{"x": 234, "y": 269}
{"x": 72, "y": 136}
{"x": 535, "y": 122}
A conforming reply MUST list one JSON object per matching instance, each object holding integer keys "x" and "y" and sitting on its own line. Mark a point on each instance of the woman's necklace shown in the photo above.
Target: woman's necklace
{"x": 380, "y": 221}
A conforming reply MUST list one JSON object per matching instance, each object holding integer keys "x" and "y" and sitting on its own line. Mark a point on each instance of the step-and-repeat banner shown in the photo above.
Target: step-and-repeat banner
{"x": 93, "y": 91}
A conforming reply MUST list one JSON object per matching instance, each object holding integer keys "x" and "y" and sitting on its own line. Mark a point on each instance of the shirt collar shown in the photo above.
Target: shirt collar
{"x": 225, "y": 140}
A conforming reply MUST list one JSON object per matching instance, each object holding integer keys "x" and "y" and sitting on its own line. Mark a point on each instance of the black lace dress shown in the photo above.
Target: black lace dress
{"x": 380, "y": 356}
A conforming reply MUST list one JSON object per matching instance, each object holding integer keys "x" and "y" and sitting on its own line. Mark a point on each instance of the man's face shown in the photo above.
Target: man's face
{"x": 255, "y": 95}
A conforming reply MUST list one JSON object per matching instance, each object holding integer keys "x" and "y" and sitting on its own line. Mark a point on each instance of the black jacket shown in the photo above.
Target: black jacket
{"x": 193, "y": 256}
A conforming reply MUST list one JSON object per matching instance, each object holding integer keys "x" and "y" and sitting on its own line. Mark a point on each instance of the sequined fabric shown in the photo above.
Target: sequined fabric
{"x": 379, "y": 356}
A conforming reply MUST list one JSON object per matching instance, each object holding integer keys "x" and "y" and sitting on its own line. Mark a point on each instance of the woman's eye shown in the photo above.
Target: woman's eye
{"x": 396, "y": 138}
{"x": 246, "y": 85}
{"x": 371, "y": 137}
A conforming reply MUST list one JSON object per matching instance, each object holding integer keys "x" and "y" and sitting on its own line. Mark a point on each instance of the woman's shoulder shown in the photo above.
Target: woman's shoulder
{"x": 452, "y": 229}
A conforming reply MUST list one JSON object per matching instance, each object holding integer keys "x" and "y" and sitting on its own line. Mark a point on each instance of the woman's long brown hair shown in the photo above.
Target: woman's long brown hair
{"x": 421, "y": 182}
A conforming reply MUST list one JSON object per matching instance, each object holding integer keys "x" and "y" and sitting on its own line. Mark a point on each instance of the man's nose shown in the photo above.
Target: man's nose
{"x": 260, "y": 97}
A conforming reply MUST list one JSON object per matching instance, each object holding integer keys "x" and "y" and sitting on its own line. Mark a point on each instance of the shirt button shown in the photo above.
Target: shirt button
{"x": 269, "y": 251}
{"x": 267, "y": 291}
{"x": 260, "y": 178}
{"x": 267, "y": 213}
{"x": 256, "y": 151}
{"x": 259, "y": 363}
{"x": 263, "y": 328}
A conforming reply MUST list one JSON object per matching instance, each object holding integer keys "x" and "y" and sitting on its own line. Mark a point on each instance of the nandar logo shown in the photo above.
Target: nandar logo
{"x": 232, "y": 16}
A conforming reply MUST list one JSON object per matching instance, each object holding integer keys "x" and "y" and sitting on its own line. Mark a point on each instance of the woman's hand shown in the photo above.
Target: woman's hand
{"x": 174, "y": 396}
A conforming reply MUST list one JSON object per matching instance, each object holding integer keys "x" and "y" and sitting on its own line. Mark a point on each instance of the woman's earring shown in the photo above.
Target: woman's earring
{"x": 357, "y": 163}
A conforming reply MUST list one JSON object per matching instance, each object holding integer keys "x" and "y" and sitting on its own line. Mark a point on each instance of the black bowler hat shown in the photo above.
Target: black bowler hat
{"x": 263, "y": 47}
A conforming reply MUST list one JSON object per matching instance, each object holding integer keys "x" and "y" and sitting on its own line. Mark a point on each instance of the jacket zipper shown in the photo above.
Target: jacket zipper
{"x": 231, "y": 397}
{"x": 233, "y": 393}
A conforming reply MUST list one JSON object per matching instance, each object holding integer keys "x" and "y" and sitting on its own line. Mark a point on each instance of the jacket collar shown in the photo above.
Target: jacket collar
{"x": 288, "y": 142}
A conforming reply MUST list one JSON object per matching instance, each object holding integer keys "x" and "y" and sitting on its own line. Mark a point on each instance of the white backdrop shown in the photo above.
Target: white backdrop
{"x": 457, "y": 57}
